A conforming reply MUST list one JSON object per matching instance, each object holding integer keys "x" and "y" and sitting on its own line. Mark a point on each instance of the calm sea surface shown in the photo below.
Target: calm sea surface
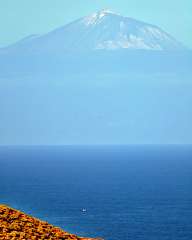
{"x": 130, "y": 192}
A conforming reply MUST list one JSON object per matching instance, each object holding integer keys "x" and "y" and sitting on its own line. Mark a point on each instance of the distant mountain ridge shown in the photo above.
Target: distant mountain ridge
{"x": 102, "y": 79}
{"x": 103, "y": 30}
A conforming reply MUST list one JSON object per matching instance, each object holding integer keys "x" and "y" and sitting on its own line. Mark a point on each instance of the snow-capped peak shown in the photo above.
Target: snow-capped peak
{"x": 97, "y": 16}
{"x": 110, "y": 30}
{"x": 104, "y": 30}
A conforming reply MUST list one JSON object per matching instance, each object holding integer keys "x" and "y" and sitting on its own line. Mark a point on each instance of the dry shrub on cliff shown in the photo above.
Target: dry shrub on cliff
{"x": 17, "y": 225}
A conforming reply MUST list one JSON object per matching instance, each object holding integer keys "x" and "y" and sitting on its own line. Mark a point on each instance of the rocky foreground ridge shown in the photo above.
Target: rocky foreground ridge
{"x": 17, "y": 225}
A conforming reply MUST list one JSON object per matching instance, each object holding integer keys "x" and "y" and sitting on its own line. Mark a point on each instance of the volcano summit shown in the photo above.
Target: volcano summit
{"x": 104, "y": 30}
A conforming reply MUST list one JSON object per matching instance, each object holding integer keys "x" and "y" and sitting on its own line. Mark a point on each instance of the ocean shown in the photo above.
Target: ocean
{"x": 129, "y": 192}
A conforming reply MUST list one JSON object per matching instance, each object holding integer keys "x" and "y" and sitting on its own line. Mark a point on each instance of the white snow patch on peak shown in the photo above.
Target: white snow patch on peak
{"x": 95, "y": 17}
{"x": 106, "y": 11}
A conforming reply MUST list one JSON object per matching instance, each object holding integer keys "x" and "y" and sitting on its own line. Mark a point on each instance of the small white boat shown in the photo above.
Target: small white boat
{"x": 84, "y": 210}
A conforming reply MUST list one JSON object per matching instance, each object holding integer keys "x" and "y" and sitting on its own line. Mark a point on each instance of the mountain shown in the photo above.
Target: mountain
{"x": 103, "y": 79}
{"x": 104, "y": 30}
{"x": 103, "y": 43}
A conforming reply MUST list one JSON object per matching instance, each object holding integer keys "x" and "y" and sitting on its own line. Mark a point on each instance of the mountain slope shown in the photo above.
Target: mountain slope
{"x": 17, "y": 225}
{"x": 102, "y": 30}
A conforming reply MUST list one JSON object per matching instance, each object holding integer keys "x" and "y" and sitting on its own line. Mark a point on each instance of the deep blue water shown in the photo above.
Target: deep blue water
{"x": 130, "y": 192}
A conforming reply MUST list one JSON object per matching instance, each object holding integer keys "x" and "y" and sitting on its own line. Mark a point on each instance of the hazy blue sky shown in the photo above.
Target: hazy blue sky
{"x": 19, "y": 18}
